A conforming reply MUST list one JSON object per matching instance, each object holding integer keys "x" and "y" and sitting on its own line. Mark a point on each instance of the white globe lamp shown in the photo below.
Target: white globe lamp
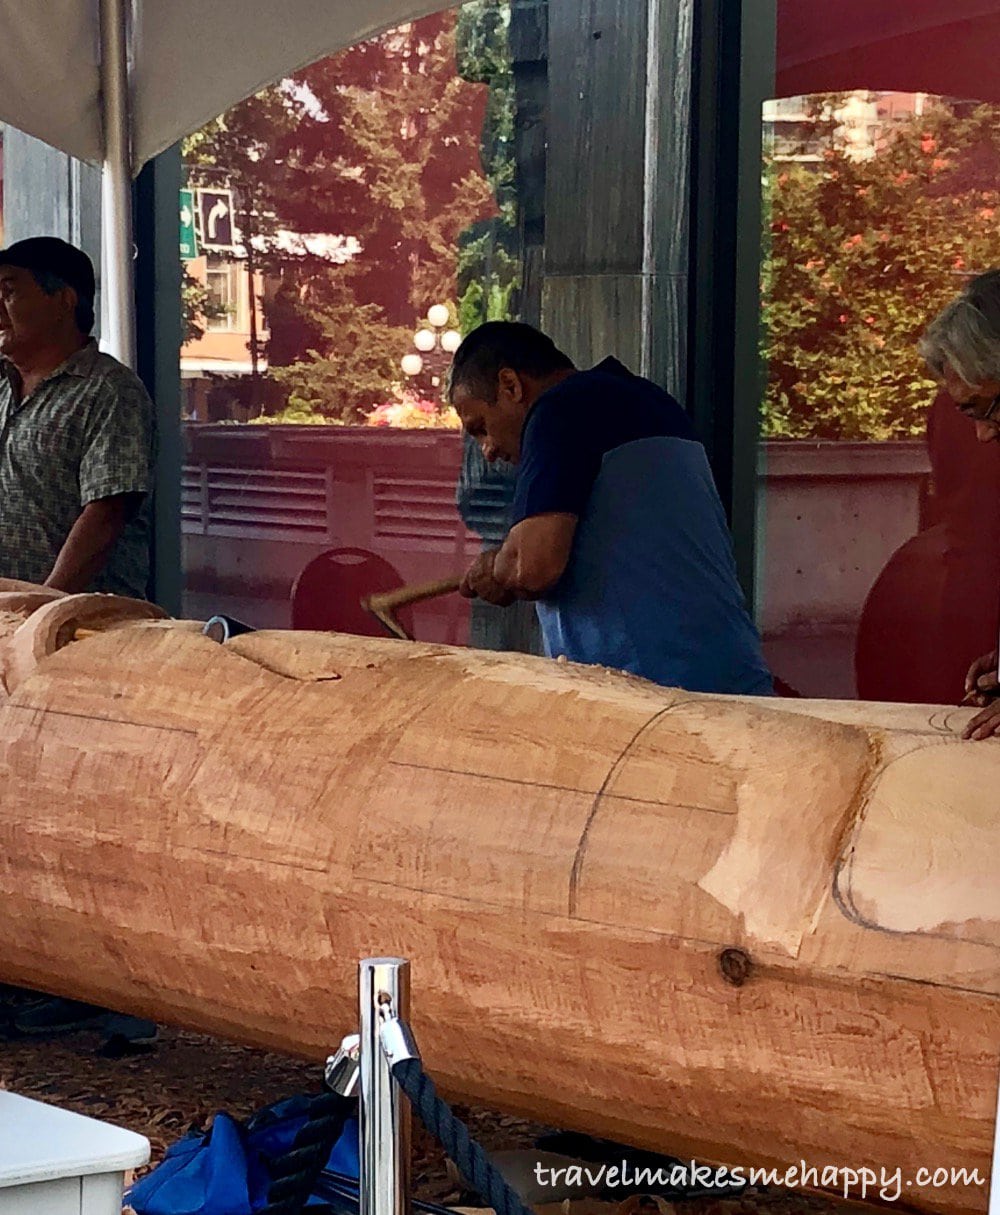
{"x": 451, "y": 339}
{"x": 437, "y": 314}
{"x": 424, "y": 340}
{"x": 412, "y": 364}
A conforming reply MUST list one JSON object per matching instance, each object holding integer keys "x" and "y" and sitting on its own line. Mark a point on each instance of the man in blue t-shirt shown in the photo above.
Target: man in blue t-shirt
{"x": 617, "y": 530}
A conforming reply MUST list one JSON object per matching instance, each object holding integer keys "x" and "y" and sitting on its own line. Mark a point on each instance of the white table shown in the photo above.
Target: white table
{"x": 53, "y": 1162}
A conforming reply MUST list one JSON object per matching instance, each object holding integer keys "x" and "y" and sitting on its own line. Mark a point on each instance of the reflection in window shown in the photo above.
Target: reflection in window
{"x": 867, "y": 242}
{"x": 372, "y": 186}
{"x": 879, "y": 568}
{"x": 373, "y": 203}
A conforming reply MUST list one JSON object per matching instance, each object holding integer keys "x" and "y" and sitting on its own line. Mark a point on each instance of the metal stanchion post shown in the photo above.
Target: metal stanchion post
{"x": 384, "y": 985}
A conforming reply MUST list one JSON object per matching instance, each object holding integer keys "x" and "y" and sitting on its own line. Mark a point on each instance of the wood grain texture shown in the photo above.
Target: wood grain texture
{"x": 595, "y": 160}
{"x": 51, "y": 622}
{"x": 214, "y": 835}
{"x": 590, "y": 316}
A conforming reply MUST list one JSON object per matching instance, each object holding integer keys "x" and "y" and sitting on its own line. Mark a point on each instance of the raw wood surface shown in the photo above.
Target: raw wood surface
{"x": 755, "y": 931}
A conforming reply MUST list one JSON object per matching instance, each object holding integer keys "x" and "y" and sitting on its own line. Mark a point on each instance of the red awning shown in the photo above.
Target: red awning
{"x": 947, "y": 47}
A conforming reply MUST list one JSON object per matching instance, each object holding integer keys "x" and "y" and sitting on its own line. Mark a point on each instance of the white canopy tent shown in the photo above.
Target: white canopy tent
{"x": 117, "y": 81}
{"x": 114, "y": 82}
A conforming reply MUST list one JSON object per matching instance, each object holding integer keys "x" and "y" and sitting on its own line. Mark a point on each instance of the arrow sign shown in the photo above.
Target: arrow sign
{"x": 215, "y": 208}
{"x": 218, "y": 212}
{"x": 189, "y": 240}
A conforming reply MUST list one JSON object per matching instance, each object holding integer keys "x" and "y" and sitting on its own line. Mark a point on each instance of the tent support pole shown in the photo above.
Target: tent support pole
{"x": 117, "y": 265}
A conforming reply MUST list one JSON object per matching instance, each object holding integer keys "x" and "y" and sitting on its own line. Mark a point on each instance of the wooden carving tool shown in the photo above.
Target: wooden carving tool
{"x": 384, "y": 605}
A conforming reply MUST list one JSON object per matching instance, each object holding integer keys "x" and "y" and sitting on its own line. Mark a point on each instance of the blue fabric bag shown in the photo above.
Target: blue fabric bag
{"x": 225, "y": 1171}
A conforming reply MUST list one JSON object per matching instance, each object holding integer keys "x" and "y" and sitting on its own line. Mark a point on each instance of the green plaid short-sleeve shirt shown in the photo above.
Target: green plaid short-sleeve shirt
{"x": 85, "y": 433}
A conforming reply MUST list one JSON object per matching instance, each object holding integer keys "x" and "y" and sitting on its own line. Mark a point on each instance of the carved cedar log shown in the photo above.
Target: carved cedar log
{"x": 753, "y": 931}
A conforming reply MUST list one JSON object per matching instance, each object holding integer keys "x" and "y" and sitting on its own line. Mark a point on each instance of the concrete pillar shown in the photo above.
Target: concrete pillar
{"x": 47, "y": 193}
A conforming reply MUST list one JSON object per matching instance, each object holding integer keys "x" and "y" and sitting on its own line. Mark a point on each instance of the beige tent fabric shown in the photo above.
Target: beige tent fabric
{"x": 195, "y": 59}
{"x": 192, "y": 61}
{"x": 49, "y": 72}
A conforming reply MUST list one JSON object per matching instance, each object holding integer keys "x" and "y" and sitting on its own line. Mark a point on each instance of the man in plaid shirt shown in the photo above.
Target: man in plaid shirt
{"x": 76, "y": 432}
{"x": 76, "y": 468}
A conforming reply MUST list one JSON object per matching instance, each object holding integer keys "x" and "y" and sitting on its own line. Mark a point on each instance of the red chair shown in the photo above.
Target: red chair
{"x": 327, "y": 594}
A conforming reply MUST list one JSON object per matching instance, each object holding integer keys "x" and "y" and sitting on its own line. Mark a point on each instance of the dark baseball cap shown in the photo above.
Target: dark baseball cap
{"x": 50, "y": 255}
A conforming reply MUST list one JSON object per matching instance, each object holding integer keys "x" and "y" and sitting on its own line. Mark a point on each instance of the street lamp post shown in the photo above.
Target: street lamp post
{"x": 434, "y": 344}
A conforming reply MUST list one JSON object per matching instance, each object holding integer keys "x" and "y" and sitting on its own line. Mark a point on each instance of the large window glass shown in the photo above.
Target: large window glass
{"x": 378, "y": 206}
{"x": 879, "y": 536}
{"x": 340, "y": 232}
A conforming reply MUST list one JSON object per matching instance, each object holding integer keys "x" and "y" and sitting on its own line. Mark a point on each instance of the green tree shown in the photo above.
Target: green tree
{"x": 489, "y": 269}
{"x": 381, "y": 143}
{"x": 392, "y": 158}
{"x": 353, "y": 364}
{"x": 862, "y": 253}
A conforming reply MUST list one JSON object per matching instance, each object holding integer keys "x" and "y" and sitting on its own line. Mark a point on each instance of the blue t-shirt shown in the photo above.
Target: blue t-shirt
{"x": 651, "y": 583}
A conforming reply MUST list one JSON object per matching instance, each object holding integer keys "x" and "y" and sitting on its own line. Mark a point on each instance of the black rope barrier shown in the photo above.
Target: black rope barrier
{"x": 477, "y": 1171}
{"x": 295, "y": 1173}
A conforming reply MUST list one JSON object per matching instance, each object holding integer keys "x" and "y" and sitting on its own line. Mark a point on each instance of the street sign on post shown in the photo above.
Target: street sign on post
{"x": 215, "y": 207}
{"x": 189, "y": 240}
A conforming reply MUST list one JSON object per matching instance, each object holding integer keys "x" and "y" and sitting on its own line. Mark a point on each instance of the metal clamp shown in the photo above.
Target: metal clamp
{"x": 343, "y": 1070}
{"x": 397, "y": 1041}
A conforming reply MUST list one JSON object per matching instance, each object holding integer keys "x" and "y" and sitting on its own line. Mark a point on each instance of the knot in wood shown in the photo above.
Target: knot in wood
{"x": 735, "y": 966}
